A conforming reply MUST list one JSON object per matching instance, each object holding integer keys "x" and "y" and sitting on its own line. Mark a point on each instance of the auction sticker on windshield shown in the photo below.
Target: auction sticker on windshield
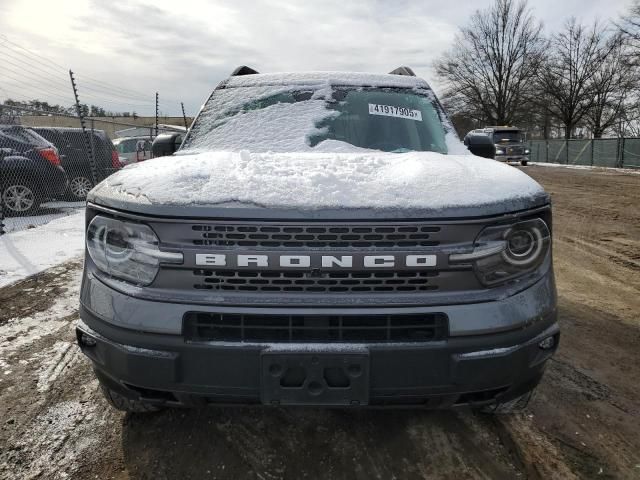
{"x": 391, "y": 111}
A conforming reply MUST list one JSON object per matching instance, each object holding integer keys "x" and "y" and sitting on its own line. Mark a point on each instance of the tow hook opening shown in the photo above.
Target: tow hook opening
{"x": 86, "y": 340}
{"x": 151, "y": 394}
{"x": 547, "y": 343}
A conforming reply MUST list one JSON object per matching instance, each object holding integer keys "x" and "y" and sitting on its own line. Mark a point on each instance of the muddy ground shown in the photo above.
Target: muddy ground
{"x": 583, "y": 423}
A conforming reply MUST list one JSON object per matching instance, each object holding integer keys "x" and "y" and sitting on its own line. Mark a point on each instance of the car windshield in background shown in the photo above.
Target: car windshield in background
{"x": 513, "y": 136}
{"x": 387, "y": 119}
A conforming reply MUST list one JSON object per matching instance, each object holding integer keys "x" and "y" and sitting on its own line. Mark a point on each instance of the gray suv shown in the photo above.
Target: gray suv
{"x": 324, "y": 239}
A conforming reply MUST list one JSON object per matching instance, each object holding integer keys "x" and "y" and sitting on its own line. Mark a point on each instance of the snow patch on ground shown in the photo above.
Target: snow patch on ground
{"x": 48, "y": 211}
{"x": 54, "y": 445}
{"x": 18, "y": 332}
{"x": 27, "y": 252}
{"x": 321, "y": 180}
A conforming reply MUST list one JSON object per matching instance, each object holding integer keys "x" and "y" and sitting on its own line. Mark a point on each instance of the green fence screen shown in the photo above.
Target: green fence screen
{"x": 598, "y": 152}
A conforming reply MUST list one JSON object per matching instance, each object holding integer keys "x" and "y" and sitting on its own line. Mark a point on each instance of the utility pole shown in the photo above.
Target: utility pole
{"x": 184, "y": 117}
{"x": 156, "y": 114}
{"x": 87, "y": 140}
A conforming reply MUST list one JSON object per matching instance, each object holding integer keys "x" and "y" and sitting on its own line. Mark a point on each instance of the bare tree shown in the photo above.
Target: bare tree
{"x": 566, "y": 80}
{"x": 488, "y": 71}
{"x": 629, "y": 26}
{"x": 611, "y": 87}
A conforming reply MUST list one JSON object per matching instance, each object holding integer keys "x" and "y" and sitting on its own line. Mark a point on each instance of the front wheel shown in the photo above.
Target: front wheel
{"x": 79, "y": 187}
{"x": 19, "y": 199}
{"x": 120, "y": 402}
{"x": 524, "y": 163}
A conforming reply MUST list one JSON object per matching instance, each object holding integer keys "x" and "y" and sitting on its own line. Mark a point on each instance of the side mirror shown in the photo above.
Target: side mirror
{"x": 165, "y": 144}
{"x": 480, "y": 145}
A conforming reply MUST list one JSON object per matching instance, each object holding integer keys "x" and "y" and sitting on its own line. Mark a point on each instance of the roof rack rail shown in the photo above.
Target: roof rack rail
{"x": 243, "y": 70}
{"x": 403, "y": 71}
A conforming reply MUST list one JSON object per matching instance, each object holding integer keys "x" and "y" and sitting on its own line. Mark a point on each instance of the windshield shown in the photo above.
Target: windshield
{"x": 318, "y": 119}
{"x": 507, "y": 136}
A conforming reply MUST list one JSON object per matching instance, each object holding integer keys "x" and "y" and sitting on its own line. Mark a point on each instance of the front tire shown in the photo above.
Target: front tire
{"x": 120, "y": 402}
{"x": 19, "y": 198}
{"x": 524, "y": 163}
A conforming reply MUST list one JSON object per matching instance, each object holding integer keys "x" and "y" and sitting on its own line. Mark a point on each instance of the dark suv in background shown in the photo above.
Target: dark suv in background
{"x": 504, "y": 144}
{"x": 30, "y": 170}
{"x": 71, "y": 144}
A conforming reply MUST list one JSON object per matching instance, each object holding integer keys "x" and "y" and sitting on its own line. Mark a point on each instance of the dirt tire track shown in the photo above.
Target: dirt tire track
{"x": 586, "y": 414}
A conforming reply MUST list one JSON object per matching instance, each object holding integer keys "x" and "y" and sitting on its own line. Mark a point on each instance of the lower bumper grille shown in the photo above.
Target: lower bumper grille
{"x": 207, "y": 327}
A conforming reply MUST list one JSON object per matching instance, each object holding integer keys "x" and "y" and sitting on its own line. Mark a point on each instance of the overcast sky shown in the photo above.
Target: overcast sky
{"x": 183, "y": 48}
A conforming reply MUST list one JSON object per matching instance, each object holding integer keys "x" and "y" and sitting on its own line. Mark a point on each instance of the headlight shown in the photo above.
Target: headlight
{"x": 499, "y": 151}
{"x": 505, "y": 252}
{"x": 126, "y": 250}
{"x": 527, "y": 151}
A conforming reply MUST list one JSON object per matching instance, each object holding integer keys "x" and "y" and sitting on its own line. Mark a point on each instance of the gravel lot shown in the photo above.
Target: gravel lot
{"x": 583, "y": 423}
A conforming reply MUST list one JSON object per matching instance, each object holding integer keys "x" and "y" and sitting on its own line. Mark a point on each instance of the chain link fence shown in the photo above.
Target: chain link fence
{"x": 48, "y": 163}
{"x": 597, "y": 152}
{"x": 61, "y": 134}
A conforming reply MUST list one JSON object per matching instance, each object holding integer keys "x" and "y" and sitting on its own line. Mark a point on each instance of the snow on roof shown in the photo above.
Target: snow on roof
{"x": 372, "y": 179}
{"x": 331, "y": 78}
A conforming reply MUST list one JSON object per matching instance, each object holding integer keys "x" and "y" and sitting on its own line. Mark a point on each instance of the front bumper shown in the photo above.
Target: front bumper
{"x": 511, "y": 158}
{"x": 464, "y": 369}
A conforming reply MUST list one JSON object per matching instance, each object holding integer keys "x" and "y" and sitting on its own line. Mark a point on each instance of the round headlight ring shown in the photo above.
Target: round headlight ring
{"x": 515, "y": 239}
{"x": 116, "y": 247}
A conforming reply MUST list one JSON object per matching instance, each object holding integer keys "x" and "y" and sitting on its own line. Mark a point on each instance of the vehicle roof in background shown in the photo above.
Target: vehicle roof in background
{"x": 490, "y": 130}
{"x": 24, "y": 134}
{"x": 122, "y": 139}
{"x": 502, "y": 129}
{"x": 101, "y": 133}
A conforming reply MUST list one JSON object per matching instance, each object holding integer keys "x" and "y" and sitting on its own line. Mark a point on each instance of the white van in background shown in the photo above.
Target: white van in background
{"x": 133, "y": 149}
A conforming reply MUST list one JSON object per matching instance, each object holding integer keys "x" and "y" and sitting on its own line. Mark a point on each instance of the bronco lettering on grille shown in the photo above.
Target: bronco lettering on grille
{"x": 315, "y": 261}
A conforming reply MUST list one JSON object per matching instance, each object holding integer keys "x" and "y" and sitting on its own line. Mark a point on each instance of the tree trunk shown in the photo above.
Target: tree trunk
{"x": 568, "y": 130}
{"x": 598, "y": 131}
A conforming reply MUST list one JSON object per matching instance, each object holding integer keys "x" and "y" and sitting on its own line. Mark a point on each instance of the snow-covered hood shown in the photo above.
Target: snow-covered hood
{"x": 385, "y": 184}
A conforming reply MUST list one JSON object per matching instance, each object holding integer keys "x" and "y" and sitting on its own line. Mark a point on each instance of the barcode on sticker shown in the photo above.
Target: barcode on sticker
{"x": 391, "y": 111}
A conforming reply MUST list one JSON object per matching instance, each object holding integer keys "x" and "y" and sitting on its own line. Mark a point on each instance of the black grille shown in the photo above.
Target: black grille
{"x": 515, "y": 150}
{"x": 315, "y": 236}
{"x": 285, "y": 281}
{"x": 208, "y": 327}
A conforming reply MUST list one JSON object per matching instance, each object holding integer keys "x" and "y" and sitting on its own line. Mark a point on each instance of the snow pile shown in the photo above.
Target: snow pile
{"x": 366, "y": 179}
{"x": 269, "y": 128}
{"x": 27, "y": 252}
